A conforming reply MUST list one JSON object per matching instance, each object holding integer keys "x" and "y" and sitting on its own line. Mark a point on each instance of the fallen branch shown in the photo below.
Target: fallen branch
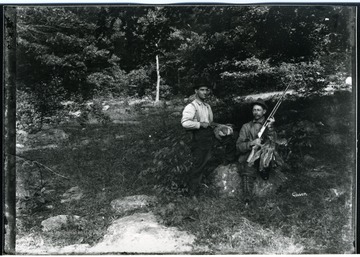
{"x": 41, "y": 165}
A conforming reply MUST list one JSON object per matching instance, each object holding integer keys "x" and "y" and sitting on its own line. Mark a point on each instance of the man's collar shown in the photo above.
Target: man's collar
{"x": 261, "y": 120}
{"x": 199, "y": 102}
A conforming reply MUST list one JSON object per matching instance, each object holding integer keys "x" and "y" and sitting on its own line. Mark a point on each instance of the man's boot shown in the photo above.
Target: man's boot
{"x": 264, "y": 174}
{"x": 247, "y": 186}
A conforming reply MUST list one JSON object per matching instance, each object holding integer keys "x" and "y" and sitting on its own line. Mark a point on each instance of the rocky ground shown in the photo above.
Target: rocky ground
{"x": 140, "y": 232}
{"x": 80, "y": 190}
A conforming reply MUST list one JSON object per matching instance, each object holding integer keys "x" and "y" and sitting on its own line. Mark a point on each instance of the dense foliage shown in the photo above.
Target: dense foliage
{"x": 77, "y": 52}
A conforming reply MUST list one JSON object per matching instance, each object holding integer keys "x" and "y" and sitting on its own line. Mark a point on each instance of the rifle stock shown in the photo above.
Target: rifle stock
{"x": 251, "y": 154}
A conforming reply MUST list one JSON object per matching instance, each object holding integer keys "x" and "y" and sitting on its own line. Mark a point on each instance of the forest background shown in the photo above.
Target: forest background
{"x": 82, "y": 52}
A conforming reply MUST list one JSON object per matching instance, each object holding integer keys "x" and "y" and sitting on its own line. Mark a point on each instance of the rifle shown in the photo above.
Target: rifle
{"x": 267, "y": 122}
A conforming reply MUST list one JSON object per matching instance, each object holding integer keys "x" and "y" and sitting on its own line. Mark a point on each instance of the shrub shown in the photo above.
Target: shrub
{"x": 253, "y": 74}
{"x": 171, "y": 160}
{"x": 27, "y": 116}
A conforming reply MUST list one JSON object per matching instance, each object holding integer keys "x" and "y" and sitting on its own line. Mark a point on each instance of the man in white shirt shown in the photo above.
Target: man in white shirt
{"x": 198, "y": 118}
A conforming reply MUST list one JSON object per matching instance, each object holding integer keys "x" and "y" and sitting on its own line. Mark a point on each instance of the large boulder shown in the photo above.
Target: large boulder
{"x": 131, "y": 203}
{"x": 227, "y": 180}
{"x": 61, "y": 221}
{"x": 142, "y": 233}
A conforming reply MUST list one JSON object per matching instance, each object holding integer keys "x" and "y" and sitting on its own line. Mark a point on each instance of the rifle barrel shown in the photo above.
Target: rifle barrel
{"x": 279, "y": 102}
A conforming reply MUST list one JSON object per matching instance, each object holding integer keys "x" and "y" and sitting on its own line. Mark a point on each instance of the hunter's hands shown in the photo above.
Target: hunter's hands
{"x": 204, "y": 124}
{"x": 256, "y": 142}
{"x": 271, "y": 121}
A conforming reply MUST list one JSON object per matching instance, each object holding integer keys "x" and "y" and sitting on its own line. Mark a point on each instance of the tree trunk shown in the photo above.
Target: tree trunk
{"x": 10, "y": 127}
{"x": 158, "y": 79}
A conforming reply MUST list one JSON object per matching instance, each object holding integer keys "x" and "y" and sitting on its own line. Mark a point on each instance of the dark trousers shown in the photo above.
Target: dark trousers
{"x": 229, "y": 143}
{"x": 201, "y": 149}
{"x": 251, "y": 171}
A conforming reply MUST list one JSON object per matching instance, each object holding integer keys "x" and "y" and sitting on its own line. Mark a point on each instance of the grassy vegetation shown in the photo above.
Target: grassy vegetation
{"x": 109, "y": 161}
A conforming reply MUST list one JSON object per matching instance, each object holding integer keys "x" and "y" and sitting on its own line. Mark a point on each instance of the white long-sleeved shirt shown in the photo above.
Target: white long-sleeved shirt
{"x": 196, "y": 112}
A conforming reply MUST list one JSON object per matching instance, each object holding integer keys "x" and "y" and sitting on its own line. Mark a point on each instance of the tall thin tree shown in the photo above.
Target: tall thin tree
{"x": 157, "y": 98}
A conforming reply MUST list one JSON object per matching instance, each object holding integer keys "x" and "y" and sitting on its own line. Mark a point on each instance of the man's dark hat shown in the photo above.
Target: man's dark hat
{"x": 260, "y": 102}
{"x": 199, "y": 85}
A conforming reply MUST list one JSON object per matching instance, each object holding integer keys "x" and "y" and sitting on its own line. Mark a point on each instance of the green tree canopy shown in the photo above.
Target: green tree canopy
{"x": 65, "y": 51}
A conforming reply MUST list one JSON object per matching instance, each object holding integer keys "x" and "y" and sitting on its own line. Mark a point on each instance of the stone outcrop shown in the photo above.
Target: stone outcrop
{"x": 142, "y": 233}
{"x": 60, "y": 222}
{"x": 73, "y": 194}
{"x": 228, "y": 182}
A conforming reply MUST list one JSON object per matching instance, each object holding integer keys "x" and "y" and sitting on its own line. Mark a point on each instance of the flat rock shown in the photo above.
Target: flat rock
{"x": 20, "y": 146}
{"x": 73, "y": 194}
{"x": 60, "y": 221}
{"x": 309, "y": 160}
{"x": 92, "y": 120}
{"x": 49, "y": 136}
{"x": 119, "y": 136}
{"x": 130, "y": 122}
{"x": 130, "y": 203}
{"x": 142, "y": 233}
{"x": 333, "y": 139}
{"x": 85, "y": 142}
{"x": 21, "y": 136}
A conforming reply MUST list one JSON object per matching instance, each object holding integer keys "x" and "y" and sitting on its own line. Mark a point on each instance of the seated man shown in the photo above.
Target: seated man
{"x": 248, "y": 138}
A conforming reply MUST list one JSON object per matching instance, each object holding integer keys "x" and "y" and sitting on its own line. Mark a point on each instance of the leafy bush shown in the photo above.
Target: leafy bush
{"x": 116, "y": 82}
{"x": 38, "y": 104}
{"x": 27, "y": 117}
{"x": 306, "y": 77}
{"x": 253, "y": 74}
{"x": 171, "y": 159}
